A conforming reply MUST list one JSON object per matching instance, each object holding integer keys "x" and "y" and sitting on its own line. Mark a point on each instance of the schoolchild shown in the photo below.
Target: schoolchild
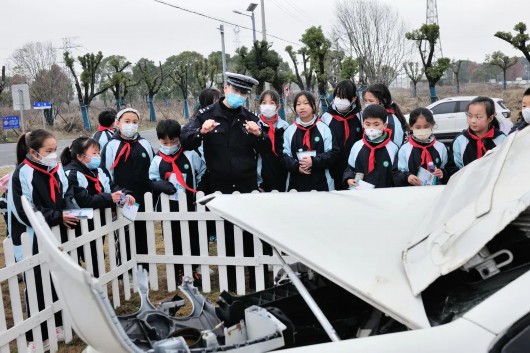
{"x": 309, "y": 149}
{"x": 421, "y": 150}
{"x": 523, "y": 120}
{"x": 380, "y": 94}
{"x": 41, "y": 179}
{"x": 482, "y": 134}
{"x": 271, "y": 174}
{"x": 91, "y": 187}
{"x": 342, "y": 117}
{"x": 127, "y": 158}
{"x": 374, "y": 155}
{"x": 173, "y": 170}
{"x": 106, "y": 120}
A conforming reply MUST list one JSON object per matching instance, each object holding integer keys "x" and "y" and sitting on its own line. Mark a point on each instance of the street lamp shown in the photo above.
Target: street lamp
{"x": 250, "y": 9}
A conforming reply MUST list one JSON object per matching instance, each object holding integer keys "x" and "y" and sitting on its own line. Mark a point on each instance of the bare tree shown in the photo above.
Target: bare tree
{"x": 52, "y": 85}
{"x": 34, "y": 57}
{"x": 375, "y": 34}
{"x": 415, "y": 73}
{"x": 503, "y": 61}
{"x": 455, "y": 66}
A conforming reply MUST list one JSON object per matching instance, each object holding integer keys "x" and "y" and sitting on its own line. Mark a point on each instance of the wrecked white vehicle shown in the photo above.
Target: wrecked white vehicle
{"x": 418, "y": 269}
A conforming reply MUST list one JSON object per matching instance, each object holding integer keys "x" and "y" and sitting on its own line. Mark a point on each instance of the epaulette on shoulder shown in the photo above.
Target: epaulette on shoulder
{"x": 205, "y": 109}
{"x": 251, "y": 112}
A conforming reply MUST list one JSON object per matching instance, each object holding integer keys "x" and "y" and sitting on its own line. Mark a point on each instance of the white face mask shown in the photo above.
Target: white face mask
{"x": 342, "y": 104}
{"x": 526, "y": 115}
{"x": 422, "y": 134}
{"x": 49, "y": 160}
{"x": 268, "y": 110}
{"x": 129, "y": 130}
{"x": 373, "y": 134}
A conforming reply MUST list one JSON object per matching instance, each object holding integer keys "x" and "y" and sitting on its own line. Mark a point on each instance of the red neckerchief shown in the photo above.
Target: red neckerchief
{"x": 371, "y": 159}
{"x": 425, "y": 154}
{"x": 54, "y": 184}
{"x": 390, "y": 111}
{"x": 346, "y": 127}
{"x": 176, "y": 170}
{"x": 306, "y": 141}
{"x": 95, "y": 181}
{"x": 271, "y": 130}
{"x": 481, "y": 148}
{"x": 125, "y": 150}
{"x": 105, "y": 128}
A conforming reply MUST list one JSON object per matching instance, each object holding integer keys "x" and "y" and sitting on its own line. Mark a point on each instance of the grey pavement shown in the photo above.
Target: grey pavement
{"x": 8, "y": 150}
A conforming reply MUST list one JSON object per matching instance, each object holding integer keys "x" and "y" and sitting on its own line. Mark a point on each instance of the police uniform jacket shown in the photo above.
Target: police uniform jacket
{"x": 229, "y": 151}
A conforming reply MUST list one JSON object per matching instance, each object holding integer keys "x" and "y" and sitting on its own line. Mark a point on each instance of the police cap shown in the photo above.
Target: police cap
{"x": 240, "y": 82}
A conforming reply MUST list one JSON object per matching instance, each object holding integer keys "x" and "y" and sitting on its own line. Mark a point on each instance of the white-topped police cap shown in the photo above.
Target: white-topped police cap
{"x": 127, "y": 110}
{"x": 240, "y": 82}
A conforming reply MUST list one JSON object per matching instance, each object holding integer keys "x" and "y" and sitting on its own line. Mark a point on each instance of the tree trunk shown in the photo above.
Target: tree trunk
{"x": 504, "y": 84}
{"x": 432, "y": 91}
{"x": 281, "y": 112}
{"x": 186, "y": 109}
{"x": 152, "y": 113}
{"x": 84, "y": 114}
{"x": 457, "y": 85}
{"x": 414, "y": 89}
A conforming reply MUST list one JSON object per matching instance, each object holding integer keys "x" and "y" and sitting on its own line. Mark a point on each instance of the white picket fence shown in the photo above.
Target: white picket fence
{"x": 210, "y": 257}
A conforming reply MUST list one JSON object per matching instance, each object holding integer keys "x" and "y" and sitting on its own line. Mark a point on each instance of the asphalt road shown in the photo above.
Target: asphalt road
{"x": 8, "y": 150}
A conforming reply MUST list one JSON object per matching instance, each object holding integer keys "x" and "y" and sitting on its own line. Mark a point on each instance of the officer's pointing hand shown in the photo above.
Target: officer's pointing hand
{"x": 253, "y": 128}
{"x": 208, "y": 126}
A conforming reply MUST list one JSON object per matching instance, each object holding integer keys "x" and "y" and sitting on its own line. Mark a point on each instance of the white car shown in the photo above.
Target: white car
{"x": 416, "y": 252}
{"x": 450, "y": 116}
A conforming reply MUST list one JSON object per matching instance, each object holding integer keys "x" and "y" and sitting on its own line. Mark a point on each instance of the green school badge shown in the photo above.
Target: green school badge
{"x": 144, "y": 155}
{"x": 386, "y": 164}
{"x": 317, "y": 138}
{"x": 186, "y": 166}
{"x": 437, "y": 160}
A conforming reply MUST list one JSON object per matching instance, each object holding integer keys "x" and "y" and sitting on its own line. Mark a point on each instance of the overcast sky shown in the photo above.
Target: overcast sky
{"x": 145, "y": 28}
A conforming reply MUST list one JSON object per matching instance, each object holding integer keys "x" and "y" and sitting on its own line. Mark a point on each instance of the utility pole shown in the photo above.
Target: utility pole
{"x": 263, "y": 27}
{"x": 222, "y": 29}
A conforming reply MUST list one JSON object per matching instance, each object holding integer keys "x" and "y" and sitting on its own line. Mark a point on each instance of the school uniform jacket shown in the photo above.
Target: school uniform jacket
{"x": 131, "y": 172}
{"x": 519, "y": 125}
{"x": 86, "y": 195}
{"x": 190, "y": 165}
{"x": 271, "y": 173}
{"x": 338, "y": 130}
{"x": 35, "y": 185}
{"x": 465, "y": 148}
{"x": 408, "y": 161}
{"x": 229, "y": 150}
{"x": 394, "y": 125}
{"x": 327, "y": 152}
{"x": 358, "y": 162}
{"x": 102, "y": 136}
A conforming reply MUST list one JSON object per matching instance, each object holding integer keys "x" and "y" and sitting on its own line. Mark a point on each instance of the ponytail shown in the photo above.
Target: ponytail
{"x": 66, "y": 156}
{"x": 22, "y": 148}
{"x": 400, "y": 116}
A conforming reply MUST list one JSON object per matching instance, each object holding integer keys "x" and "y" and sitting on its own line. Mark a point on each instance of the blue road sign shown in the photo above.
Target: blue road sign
{"x": 42, "y": 105}
{"x": 11, "y": 122}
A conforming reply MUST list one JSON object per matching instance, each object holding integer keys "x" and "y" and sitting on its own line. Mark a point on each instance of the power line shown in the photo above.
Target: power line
{"x": 288, "y": 11}
{"x": 223, "y": 21}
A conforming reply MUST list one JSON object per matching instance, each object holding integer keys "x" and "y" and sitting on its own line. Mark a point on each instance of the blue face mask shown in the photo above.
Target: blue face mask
{"x": 169, "y": 150}
{"x": 235, "y": 100}
{"x": 94, "y": 163}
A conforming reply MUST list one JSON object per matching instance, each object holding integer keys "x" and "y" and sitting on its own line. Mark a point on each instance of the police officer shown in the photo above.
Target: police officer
{"x": 230, "y": 137}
